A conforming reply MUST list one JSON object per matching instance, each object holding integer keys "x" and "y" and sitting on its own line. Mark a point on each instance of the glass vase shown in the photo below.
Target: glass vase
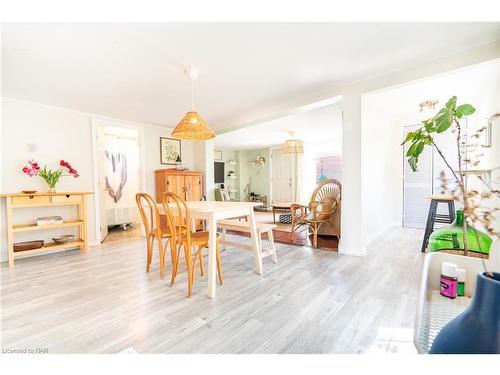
{"x": 451, "y": 239}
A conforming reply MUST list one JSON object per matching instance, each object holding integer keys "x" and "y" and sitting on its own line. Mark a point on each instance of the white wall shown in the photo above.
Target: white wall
{"x": 62, "y": 134}
{"x": 386, "y": 112}
{"x": 204, "y": 162}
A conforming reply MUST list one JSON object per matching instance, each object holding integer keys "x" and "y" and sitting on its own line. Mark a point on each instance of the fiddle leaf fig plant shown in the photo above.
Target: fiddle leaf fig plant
{"x": 447, "y": 117}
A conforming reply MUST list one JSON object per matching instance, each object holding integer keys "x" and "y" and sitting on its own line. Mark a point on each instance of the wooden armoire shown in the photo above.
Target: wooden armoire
{"x": 186, "y": 184}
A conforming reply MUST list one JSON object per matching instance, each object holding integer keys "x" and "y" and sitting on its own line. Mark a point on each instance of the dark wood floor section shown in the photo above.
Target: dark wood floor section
{"x": 329, "y": 243}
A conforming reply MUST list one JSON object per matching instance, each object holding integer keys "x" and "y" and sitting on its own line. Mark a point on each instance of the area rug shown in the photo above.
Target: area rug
{"x": 328, "y": 243}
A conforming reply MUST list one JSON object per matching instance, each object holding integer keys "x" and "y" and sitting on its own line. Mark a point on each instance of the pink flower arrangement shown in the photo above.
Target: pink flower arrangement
{"x": 50, "y": 176}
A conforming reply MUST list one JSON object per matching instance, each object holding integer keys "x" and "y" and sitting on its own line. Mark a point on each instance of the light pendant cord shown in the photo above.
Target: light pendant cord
{"x": 192, "y": 95}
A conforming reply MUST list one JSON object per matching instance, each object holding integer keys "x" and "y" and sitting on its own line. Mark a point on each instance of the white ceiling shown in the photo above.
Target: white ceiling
{"x": 317, "y": 128}
{"x": 134, "y": 71}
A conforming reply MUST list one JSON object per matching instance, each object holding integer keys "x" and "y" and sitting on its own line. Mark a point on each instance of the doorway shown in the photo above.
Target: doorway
{"x": 282, "y": 178}
{"x": 417, "y": 186}
{"x": 119, "y": 172}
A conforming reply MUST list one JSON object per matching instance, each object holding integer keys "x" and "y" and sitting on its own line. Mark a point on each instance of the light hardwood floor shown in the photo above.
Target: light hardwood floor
{"x": 312, "y": 301}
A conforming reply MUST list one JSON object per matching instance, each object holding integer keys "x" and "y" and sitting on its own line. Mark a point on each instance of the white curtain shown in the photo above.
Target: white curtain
{"x": 121, "y": 166}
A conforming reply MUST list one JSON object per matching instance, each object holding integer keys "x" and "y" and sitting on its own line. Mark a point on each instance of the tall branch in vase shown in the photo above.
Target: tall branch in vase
{"x": 447, "y": 118}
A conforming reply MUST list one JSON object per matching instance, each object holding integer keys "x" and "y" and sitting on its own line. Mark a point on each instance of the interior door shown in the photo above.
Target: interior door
{"x": 193, "y": 185}
{"x": 417, "y": 186}
{"x": 282, "y": 176}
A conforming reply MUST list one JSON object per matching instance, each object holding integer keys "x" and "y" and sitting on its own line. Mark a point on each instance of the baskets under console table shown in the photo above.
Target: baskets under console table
{"x": 23, "y": 201}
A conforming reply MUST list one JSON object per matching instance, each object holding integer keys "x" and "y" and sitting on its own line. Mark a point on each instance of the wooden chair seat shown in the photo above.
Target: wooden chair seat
{"x": 165, "y": 233}
{"x": 197, "y": 238}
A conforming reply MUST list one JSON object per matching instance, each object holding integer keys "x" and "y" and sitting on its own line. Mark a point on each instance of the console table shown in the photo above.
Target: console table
{"x": 18, "y": 201}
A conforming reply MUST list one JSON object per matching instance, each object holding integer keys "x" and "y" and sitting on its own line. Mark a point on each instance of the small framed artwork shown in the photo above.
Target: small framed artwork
{"x": 217, "y": 155}
{"x": 169, "y": 150}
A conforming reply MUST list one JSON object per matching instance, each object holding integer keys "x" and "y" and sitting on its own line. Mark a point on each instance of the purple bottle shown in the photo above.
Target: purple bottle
{"x": 449, "y": 273}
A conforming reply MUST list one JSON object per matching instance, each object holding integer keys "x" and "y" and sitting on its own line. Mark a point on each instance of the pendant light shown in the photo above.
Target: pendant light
{"x": 293, "y": 146}
{"x": 192, "y": 126}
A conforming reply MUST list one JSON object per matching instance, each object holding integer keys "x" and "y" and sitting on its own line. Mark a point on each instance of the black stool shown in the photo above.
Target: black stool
{"x": 433, "y": 217}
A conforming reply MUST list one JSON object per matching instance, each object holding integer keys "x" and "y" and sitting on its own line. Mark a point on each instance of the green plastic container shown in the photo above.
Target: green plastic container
{"x": 451, "y": 238}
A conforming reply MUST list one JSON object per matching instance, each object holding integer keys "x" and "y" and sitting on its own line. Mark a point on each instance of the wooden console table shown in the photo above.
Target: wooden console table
{"x": 21, "y": 200}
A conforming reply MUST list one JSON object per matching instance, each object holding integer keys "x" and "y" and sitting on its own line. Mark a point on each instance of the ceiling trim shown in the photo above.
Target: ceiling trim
{"x": 92, "y": 115}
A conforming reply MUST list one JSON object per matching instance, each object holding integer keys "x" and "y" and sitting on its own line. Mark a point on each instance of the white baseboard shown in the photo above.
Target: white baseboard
{"x": 355, "y": 252}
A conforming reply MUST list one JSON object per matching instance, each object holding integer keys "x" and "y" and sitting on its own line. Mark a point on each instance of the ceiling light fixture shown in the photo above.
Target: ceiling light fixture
{"x": 293, "y": 146}
{"x": 192, "y": 126}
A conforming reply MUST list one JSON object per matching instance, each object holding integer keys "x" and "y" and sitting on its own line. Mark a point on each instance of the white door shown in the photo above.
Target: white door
{"x": 417, "y": 186}
{"x": 282, "y": 176}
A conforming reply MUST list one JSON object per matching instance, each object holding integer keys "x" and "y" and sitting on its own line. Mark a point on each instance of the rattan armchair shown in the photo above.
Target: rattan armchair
{"x": 324, "y": 202}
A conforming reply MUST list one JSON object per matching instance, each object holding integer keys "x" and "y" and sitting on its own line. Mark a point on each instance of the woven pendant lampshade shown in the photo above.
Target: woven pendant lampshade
{"x": 193, "y": 127}
{"x": 293, "y": 147}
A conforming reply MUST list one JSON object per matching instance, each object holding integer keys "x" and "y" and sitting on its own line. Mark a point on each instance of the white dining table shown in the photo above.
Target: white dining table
{"x": 213, "y": 211}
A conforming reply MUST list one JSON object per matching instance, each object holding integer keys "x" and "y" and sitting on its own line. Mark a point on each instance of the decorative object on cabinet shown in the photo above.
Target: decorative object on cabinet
{"x": 217, "y": 155}
{"x": 170, "y": 149}
{"x": 17, "y": 201}
{"x": 51, "y": 177}
{"x": 178, "y": 163}
{"x": 29, "y": 191}
{"x": 192, "y": 126}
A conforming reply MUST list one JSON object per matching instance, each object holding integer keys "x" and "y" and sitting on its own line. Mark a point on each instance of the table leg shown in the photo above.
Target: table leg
{"x": 257, "y": 255}
{"x": 212, "y": 260}
{"x": 274, "y": 216}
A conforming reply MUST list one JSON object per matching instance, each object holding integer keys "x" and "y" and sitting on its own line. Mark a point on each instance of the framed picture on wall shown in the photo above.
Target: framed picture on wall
{"x": 169, "y": 150}
{"x": 217, "y": 155}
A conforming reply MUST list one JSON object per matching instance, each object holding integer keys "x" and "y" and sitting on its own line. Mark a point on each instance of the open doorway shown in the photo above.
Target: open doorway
{"x": 119, "y": 171}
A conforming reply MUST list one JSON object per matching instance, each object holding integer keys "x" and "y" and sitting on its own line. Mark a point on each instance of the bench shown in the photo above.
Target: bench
{"x": 244, "y": 226}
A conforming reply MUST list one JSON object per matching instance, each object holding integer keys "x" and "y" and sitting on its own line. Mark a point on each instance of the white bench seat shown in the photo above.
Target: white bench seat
{"x": 244, "y": 226}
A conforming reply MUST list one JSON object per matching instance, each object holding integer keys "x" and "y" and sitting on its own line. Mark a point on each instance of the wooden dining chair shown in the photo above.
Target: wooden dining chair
{"x": 154, "y": 230}
{"x": 179, "y": 223}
